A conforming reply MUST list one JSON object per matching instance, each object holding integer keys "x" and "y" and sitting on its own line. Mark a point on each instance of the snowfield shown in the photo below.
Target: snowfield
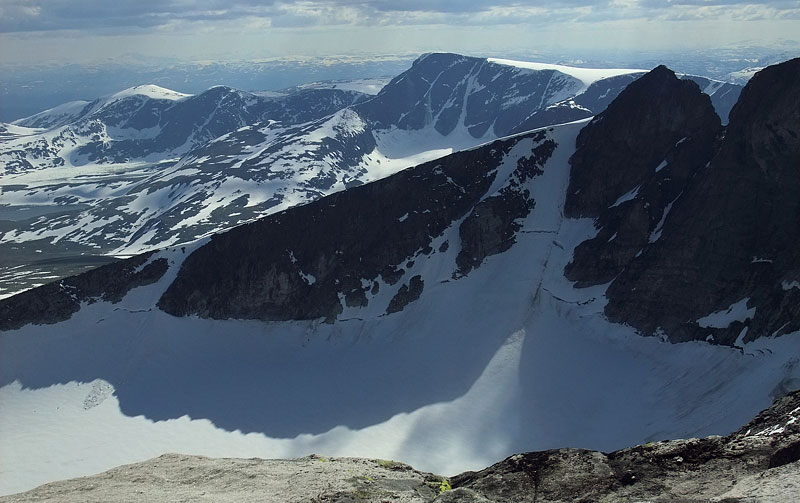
{"x": 367, "y": 86}
{"x": 507, "y": 359}
{"x": 586, "y": 75}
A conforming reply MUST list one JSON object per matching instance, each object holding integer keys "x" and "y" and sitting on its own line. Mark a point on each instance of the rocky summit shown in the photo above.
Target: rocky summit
{"x": 758, "y": 463}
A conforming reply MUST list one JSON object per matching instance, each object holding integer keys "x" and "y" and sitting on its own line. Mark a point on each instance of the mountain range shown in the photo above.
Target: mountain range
{"x": 614, "y": 280}
{"x": 148, "y": 167}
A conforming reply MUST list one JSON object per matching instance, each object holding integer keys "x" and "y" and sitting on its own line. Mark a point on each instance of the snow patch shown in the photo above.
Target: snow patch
{"x": 149, "y": 90}
{"x": 631, "y": 194}
{"x": 788, "y": 285}
{"x": 791, "y": 418}
{"x": 587, "y": 76}
{"x": 739, "y": 342}
{"x": 656, "y": 234}
{"x": 737, "y": 311}
{"x": 371, "y": 86}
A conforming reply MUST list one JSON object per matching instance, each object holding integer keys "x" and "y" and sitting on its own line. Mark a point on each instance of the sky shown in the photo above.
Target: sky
{"x": 80, "y": 31}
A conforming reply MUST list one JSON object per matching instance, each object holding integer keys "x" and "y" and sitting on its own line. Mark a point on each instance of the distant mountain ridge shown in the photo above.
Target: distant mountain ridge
{"x": 146, "y": 120}
{"x": 149, "y": 167}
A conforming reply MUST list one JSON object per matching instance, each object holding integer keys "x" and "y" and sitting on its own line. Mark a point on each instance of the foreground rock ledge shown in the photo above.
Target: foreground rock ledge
{"x": 758, "y": 463}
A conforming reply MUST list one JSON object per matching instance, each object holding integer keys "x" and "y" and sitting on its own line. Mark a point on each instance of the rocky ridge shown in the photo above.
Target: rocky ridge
{"x": 147, "y": 121}
{"x": 311, "y": 261}
{"x": 758, "y": 463}
{"x": 700, "y": 226}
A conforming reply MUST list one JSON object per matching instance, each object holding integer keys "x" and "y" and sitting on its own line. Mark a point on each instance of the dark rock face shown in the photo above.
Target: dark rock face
{"x": 631, "y": 164}
{"x": 407, "y": 294}
{"x": 58, "y": 301}
{"x": 692, "y": 221}
{"x": 677, "y": 470}
{"x": 724, "y": 95}
{"x": 492, "y": 225}
{"x": 592, "y": 101}
{"x": 734, "y": 233}
{"x": 302, "y": 263}
{"x": 447, "y": 89}
{"x": 621, "y": 148}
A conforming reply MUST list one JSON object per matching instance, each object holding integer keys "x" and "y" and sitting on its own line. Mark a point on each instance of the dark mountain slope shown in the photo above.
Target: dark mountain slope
{"x": 632, "y": 161}
{"x": 725, "y": 243}
{"x": 298, "y": 264}
{"x": 736, "y": 231}
{"x": 155, "y": 123}
{"x": 449, "y": 89}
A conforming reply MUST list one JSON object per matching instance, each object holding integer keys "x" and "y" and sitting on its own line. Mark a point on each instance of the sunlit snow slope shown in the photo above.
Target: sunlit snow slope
{"x": 498, "y": 354}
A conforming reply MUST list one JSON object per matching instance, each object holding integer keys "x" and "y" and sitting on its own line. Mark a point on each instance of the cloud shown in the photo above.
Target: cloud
{"x": 104, "y": 15}
{"x": 43, "y": 15}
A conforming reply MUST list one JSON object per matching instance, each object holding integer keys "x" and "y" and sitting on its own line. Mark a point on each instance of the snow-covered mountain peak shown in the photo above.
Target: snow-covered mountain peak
{"x": 151, "y": 91}
{"x": 129, "y": 101}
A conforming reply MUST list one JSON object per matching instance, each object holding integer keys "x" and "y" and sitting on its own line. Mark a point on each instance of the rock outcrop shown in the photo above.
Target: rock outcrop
{"x": 313, "y": 479}
{"x": 631, "y": 162}
{"x": 758, "y": 463}
{"x": 734, "y": 234}
{"x": 731, "y": 469}
{"x": 59, "y": 300}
